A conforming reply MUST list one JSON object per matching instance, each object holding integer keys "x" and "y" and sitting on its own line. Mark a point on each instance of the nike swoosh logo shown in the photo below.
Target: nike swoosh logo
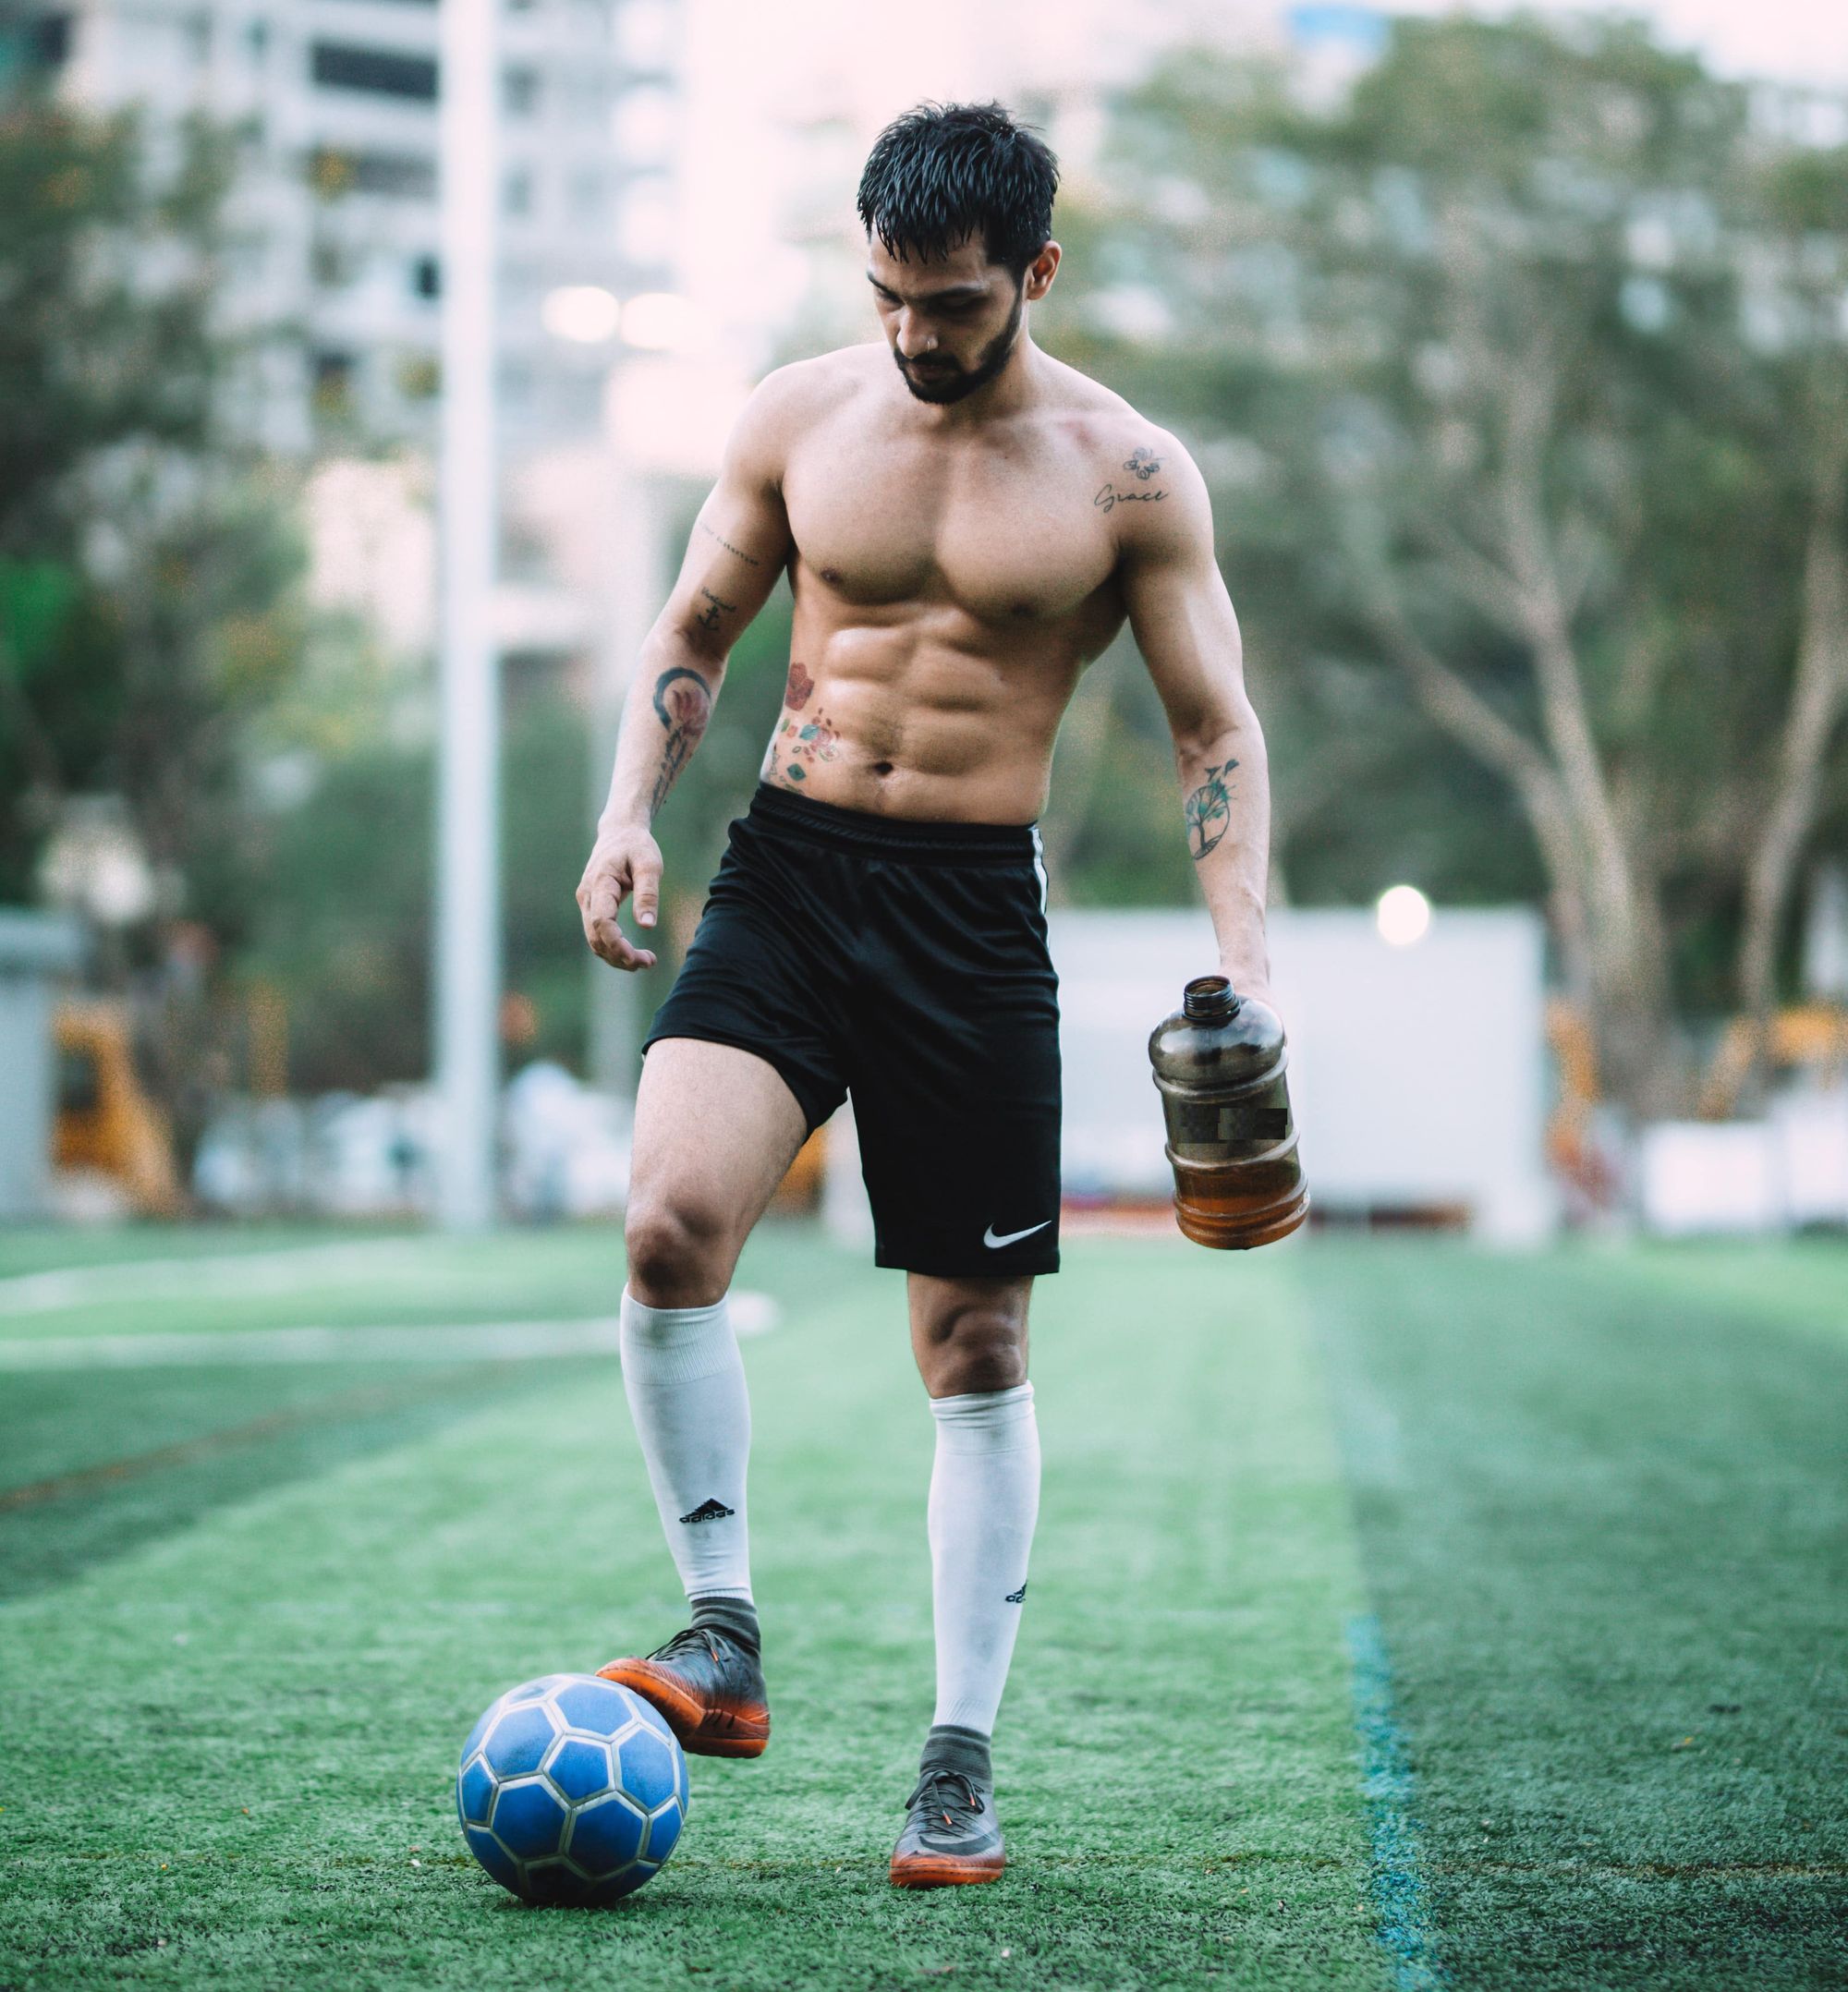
{"x": 990, "y": 1239}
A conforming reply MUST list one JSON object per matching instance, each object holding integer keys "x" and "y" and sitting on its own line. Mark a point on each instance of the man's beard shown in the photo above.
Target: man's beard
{"x": 959, "y": 382}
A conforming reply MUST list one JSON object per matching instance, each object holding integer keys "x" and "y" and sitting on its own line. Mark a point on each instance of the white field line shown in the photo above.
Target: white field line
{"x": 443, "y": 1344}
{"x": 752, "y": 1314}
{"x": 235, "y": 1275}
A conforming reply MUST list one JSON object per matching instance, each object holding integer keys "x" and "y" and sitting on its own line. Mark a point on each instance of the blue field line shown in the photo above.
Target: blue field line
{"x": 1404, "y": 1929}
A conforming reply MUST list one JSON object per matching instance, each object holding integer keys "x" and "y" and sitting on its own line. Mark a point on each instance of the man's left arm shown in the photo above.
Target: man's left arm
{"x": 1184, "y": 625}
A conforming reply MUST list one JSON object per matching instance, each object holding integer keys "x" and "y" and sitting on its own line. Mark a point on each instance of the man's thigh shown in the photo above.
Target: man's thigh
{"x": 716, "y": 1129}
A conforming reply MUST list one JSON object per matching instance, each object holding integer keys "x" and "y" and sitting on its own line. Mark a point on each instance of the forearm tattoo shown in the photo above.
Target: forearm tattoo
{"x": 1209, "y": 810}
{"x": 683, "y": 703}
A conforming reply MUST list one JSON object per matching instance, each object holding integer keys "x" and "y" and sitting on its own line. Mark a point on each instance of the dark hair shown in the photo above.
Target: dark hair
{"x": 944, "y": 172}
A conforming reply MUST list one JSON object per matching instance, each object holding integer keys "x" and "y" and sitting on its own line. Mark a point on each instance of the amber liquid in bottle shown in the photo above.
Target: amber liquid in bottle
{"x": 1219, "y": 1064}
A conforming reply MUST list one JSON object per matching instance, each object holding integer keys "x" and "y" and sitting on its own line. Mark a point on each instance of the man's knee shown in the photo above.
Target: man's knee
{"x": 973, "y": 1342}
{"x": 680, "y": 1248}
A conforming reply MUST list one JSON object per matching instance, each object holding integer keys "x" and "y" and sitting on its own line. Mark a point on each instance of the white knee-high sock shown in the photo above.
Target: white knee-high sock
{"x": 984, "y": 1502}
{"x": 685, "y": 1385}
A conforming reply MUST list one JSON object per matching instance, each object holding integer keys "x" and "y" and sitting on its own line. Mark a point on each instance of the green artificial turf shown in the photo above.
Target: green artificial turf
{"x": 231, "y": 1724}
{"x": 1603, "y": 1509}
{"x": 39, "y": 1247}
{"x": 1589, "y": 1554}
{"x": 344, "y": 1281}
{"x": 98, "y": 1461}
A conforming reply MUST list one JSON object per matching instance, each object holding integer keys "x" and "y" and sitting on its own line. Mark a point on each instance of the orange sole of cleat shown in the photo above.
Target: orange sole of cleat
{"x": 944, "y": 1870}
{"x": 740, "y": 1731}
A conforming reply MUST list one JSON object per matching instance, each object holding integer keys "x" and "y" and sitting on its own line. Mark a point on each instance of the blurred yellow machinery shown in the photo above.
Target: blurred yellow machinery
{"x": 1811, "y": 1035}
{"x": 800, "y": 1191}
{"x": 107, "y": 1123}
{"x": 1570, "y": 1149}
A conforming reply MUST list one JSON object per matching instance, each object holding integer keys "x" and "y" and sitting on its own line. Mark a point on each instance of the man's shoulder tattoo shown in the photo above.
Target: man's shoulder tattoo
{"x": 1141, "y": 466}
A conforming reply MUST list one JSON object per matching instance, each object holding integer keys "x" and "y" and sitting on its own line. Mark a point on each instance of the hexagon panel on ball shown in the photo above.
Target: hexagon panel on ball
{"x": 571, "y": 1790}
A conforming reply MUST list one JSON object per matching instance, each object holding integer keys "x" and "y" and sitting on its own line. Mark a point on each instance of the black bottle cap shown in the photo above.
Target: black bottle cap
{"x": 1210, "y": 1000}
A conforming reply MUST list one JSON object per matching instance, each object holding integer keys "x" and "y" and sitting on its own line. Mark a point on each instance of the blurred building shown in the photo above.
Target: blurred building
{"x": 782, "y": 104}
{"x": 36, "y": 949}
{"x": 336, "y": 199}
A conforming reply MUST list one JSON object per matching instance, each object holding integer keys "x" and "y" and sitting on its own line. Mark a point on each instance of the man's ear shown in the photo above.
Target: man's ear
{"x": 1040, "y": 272}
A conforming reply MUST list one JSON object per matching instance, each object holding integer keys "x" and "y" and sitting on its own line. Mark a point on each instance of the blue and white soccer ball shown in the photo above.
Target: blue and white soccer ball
{"x": 571, "y": 1789}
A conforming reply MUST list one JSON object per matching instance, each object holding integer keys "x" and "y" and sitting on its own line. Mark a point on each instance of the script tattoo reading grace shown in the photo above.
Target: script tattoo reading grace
{"x": 1209, "y": 810}
{"x": 1109, "y": 498}
{"x": 1142, "y": 465}
{"x": 683, "y": 703}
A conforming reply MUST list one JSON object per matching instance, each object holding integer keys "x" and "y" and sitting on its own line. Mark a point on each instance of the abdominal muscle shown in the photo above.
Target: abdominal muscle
{"x": 905, "y": 721}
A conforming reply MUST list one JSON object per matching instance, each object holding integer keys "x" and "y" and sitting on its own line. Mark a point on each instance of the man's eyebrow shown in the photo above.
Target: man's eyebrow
{"x": 951, "y": 293}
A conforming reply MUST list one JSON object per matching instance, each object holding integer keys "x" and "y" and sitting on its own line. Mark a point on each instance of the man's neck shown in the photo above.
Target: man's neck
{"x": 1013, "y": 389}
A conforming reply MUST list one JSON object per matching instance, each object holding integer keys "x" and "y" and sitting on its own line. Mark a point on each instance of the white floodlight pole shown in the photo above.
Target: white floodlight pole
{"x": 634, "y": 543}
{"x": 468, "y": 885}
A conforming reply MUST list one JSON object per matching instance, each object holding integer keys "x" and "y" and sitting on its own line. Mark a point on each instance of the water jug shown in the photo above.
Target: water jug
{"x": 1219, "y": 1064}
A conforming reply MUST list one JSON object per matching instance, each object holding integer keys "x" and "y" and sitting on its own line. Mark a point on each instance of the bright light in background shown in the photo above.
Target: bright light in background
{"x": 1404, "y": 914}
{"x": 95, "y": 861}
{"x": 584, "y": 313}
{"x": 659, "y": 322}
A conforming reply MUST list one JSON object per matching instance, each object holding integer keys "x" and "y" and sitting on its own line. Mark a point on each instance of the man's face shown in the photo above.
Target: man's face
{"x": 951, "y": 322}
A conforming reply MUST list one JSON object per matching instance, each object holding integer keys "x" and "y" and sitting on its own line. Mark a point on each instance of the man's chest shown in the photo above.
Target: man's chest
{"x": 1006, "y": 536}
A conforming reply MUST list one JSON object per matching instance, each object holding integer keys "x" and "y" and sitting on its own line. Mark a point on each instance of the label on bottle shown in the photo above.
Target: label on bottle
{"x": 1243, "y": 1121}
{"x": 1208, "y": 1130}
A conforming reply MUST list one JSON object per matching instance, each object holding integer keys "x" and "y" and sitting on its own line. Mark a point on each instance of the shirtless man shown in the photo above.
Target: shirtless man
{"x": 966, "y": 524}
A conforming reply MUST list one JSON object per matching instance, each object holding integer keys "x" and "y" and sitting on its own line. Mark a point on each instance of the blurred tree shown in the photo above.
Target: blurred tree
{"x": 331, "y": 886}
{"x": 336, "y": 899}
{"x": 148, "y": 557}
{"x": 1522, "y": 371}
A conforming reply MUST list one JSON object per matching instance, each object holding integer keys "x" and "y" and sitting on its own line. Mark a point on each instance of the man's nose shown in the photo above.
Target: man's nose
{"x": 915, "y": 338}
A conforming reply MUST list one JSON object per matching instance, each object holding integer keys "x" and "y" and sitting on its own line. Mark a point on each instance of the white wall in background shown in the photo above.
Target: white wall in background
{"x": 1417, "y": 1073}
{"x": 1791, "y": 1168}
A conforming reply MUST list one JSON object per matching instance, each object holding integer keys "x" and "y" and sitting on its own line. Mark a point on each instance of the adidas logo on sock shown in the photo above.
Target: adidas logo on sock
{"x": 1015, "y": 1598}
{"x": 709, "y": 1511}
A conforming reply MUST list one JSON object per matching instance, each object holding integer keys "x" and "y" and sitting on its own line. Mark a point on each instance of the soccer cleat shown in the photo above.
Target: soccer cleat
{"x": 709, "y": 1687}
{"x": 952, "y": 1837}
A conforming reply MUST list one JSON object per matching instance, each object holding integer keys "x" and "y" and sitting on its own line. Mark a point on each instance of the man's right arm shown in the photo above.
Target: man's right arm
{"x": 740, "y": 544}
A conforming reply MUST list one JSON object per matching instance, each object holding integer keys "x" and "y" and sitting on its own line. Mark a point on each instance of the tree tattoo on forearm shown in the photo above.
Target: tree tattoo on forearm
{"x": 1209, "y": 810}
{"x": 683, "y": 703}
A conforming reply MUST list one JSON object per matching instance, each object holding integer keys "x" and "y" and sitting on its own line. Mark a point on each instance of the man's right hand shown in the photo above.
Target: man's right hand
{"x": 623, "y": 863}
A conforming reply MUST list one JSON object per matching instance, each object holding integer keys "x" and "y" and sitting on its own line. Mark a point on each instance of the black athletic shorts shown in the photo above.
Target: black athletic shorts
{"x": 904, "y": 964}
